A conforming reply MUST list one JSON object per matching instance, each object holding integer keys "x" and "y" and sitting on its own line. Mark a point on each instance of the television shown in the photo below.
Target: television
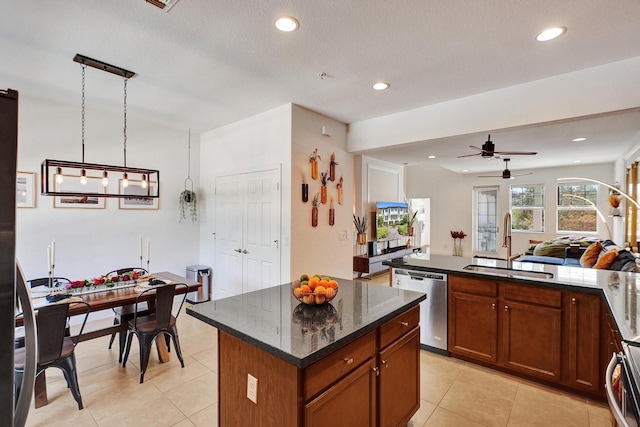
{"x": 391, "y": 221}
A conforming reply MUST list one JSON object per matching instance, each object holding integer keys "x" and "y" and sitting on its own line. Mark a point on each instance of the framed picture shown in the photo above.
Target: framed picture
{"x": 72, "y": 183}
{"x": 26, "y": 190}
{"x": 135, "y": 189}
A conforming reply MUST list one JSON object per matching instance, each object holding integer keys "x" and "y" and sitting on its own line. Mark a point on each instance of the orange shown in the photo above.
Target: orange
{"x": 324, "y": 283}
{"x": 297, "y": 292}
{"x": 320, "y": 299}
{"x": 308, "y": 299}
{"x": 330, "y": 293}
{"x": 333, "y": 284}
{"x": 313, "y": 282}
{"x": 305, "y": 289}
{"x": 320, "y": 290}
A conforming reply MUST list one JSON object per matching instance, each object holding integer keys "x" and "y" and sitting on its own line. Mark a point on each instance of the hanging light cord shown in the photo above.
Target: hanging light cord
{"x": 189, "y": 164}
{"x": 84, "y": 67}
{"x": 125, "y": 121}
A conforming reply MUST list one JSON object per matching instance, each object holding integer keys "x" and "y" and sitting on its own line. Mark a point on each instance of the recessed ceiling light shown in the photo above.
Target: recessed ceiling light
{"x": 287, "y": 24}
{"x": 577, "y": 161}
{"x": 550, "y": 34}
{"x": 432, "y": 157}
{"x": 579, "y": 139}
{"x": 380, "y": 86}
{"x": 465, "y": 170}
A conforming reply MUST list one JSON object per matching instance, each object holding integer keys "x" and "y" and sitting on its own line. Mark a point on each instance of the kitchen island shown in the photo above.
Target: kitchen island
{"x": 557, "y": 325}
{"x": 353, "y": 361}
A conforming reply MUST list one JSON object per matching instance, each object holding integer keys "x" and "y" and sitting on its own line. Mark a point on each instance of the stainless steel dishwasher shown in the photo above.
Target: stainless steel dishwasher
{"x": 433, "y": 310}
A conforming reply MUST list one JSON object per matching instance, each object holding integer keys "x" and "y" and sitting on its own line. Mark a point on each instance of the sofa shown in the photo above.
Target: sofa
{"x": 583, "y": 252}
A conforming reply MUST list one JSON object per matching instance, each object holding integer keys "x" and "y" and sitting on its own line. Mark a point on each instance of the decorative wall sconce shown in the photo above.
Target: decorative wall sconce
{"x": 53, "y": 172}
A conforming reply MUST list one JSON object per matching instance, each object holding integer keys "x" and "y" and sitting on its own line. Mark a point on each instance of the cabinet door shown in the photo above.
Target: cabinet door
{"x": 350, "y": 402}
{"x": 584, "y": 341}
{"x": 473, "y": 326}
{"x": 399, "y": 380}
{"x": 531, "y": 339}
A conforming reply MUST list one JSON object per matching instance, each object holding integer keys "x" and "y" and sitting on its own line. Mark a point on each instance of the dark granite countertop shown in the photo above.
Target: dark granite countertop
{"x": 620, "y": 289}
{"x": 274, "y": 321}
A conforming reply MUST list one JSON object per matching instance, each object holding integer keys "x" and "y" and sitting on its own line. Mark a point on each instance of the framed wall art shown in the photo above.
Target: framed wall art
{"x": 79, "y": 201}
{"x": 26, "y": 190}
{"x": 135, "y": 189}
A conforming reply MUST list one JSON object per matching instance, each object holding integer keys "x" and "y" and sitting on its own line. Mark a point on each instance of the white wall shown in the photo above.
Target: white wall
{"x": 90, "y": 242}
{"x": 258, "y": 142}
{"x": 451, "y": 197}
{"x": 323, "y": 249}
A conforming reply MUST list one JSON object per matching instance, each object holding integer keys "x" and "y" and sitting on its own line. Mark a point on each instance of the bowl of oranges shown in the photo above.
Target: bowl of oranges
{"x": 314, "y": 290}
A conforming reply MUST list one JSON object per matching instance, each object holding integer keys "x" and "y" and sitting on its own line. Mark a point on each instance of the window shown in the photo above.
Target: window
{"x": 577, "y": 208}
{"x": 486, "y": 216}
{"x": 527, "y": 207}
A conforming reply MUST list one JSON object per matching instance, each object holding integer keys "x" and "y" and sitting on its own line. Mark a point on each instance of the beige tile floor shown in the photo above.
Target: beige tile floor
{"x": 453, "y": 393}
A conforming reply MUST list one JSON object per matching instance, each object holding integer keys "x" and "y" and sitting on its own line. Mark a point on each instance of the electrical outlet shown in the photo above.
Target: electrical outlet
{"x": 342, "y": 235}
{"x": 252, "y": 388}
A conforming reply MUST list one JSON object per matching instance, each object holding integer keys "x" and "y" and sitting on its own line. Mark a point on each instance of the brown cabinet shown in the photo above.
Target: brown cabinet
{"x": 537, "y": 331}
{"x": 372, "y": 381}
{"x": 531, "y": 330}
{"x": 473, "y": 318}
{"x": 584, "y": 341}
{"x": 398, "y": 384}
{"x": 353, "y": 397}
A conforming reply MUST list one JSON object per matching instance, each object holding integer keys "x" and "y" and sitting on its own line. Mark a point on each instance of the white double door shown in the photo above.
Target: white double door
{"x": 247, "y": 216}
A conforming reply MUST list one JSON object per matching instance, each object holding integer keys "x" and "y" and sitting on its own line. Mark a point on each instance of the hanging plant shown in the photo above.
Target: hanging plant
{"x": 188, "y": 201}
{"x": 188, "y": 205}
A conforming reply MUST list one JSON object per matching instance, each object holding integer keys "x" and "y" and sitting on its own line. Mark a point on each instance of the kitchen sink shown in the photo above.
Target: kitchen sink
{"x": 509, "y": 272}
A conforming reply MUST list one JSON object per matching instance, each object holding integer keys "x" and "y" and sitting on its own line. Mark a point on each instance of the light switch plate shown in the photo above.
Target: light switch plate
{"x": 252, "y": 388}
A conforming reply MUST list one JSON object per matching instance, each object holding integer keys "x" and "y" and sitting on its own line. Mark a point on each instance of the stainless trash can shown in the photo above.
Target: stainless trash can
{"x": 201, "y": 274}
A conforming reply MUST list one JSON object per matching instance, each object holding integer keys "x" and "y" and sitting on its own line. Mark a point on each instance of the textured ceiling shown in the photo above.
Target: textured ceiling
{"x": 209, "y": 63}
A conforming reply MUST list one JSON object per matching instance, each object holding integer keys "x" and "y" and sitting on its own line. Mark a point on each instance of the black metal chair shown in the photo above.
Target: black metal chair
{"x": 55, "y": 349}
{"x": 45, "y": 281}
{"x": 125, "y": 313}
{"x": 162, "y": 322}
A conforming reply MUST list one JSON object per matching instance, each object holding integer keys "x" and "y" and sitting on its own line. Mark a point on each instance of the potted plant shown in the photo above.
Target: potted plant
{"x": 361, "y": 228}
{"x": 188, "y": 205}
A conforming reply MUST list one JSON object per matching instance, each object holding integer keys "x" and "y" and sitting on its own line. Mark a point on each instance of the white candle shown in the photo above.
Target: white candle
{"x": 53, "y": 252}
{"x": 48, "y": 258}
{"x": 148, "y": 250}
{"x": 140, "y": 246}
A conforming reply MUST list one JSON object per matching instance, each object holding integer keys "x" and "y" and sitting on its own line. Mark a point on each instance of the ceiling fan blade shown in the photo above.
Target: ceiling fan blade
{"x": 481, "y": 151}
{"x": 489, "y": 176}
{"x": 522, "y": 174}
{"x": 517, "y": 153}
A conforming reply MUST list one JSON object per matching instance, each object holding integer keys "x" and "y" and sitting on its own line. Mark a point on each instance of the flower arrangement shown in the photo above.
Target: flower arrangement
{"x": 457, "y": 241}
{"x": 107, "y": 281}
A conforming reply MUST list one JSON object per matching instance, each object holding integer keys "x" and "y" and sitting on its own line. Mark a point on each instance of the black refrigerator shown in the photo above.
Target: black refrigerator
{"x": 8, "y": 172}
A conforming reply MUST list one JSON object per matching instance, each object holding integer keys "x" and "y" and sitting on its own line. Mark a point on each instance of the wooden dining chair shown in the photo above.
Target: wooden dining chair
{"x": 161, "y": 323}
{"x": 55, "y": 349}
{"x": 125, "y": 313}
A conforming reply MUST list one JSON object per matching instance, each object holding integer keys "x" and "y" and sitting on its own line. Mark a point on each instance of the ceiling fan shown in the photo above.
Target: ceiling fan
{"x": 488, "y": 151}
{"x": 506, "y": 173}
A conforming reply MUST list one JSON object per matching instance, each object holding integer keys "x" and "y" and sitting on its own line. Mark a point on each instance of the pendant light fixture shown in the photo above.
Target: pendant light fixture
{"x": 54, "y": 173}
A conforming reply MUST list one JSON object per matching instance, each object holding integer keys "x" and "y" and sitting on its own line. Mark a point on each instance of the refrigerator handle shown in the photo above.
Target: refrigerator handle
{"x": 30, "y": 339}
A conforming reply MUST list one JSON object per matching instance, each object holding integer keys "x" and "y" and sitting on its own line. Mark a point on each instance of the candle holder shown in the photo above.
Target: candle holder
{"x": 148, "y": 270}
{"x": 141, "y": 262}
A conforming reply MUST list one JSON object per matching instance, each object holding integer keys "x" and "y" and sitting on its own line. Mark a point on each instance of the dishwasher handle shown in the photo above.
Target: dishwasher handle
{"x": 421, "y": 275}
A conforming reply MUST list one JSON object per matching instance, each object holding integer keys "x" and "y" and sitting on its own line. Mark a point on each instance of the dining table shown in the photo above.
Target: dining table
{"x": 106, "y": 300}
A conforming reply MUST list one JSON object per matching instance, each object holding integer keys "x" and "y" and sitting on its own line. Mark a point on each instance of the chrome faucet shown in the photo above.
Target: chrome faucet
{"x": 506, "y": 240}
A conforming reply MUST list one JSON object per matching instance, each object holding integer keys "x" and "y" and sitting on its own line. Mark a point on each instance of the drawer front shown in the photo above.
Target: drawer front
{"x": 533, "y": 294}
{"x": 325, "y": 372}
{"x": 469, "y": 285}
{"x": 398, "y": 326}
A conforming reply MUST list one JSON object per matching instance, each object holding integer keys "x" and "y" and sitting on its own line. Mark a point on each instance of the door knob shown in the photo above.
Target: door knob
{"x": 244, "y": 251}
{"x": 238, "y": 250}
